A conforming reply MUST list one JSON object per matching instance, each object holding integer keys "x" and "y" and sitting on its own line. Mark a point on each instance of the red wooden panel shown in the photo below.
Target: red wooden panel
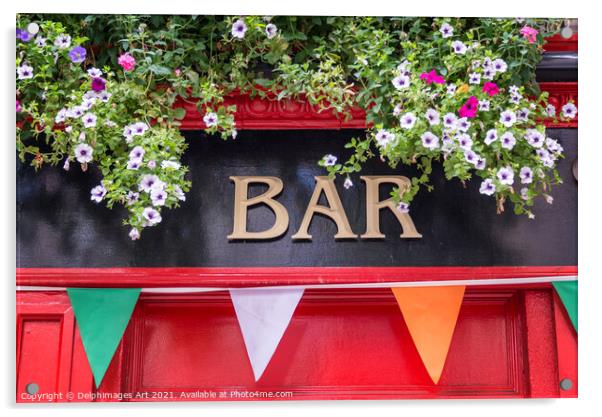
{"x": 340, "y": 344}
{"x": 566, "y": 342}
{"x": 351, "y": 343}
{"x": 542, "y": 353}
{"x": 50, "y": 352}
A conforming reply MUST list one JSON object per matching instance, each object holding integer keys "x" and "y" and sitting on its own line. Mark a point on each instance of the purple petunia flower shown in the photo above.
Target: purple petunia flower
{"x": 77, "y": 54}
{"x": 98, "y": 84}
{"x": 24, "y": 35}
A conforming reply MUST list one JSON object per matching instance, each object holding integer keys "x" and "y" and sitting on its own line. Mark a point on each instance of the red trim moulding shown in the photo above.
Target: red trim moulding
{"x": 271, "y": 114}
{"x": 264, "y": 276}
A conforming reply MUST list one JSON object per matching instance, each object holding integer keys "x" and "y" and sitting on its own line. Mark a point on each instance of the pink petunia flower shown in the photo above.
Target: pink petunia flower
{"x": 529, "y": 33}
{"x": 432, "y": 77}
{"x": 469, "y": 109}
{"x": 491, "y": 88}
{"x": 18, "y": 106}
{"x": 126, "y": 61}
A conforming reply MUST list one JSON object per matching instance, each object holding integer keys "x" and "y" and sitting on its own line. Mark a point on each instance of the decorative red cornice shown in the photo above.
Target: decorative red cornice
{"x": 262, "y": 276}
{"x": 272, "y": 114}
{"x": 558, "y": 43}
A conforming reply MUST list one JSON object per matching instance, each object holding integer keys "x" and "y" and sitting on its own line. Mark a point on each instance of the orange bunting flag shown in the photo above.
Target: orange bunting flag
{"x": 431, "y": 314}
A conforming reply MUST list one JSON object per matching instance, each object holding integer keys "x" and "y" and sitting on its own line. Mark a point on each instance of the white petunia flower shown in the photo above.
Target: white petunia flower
{"x": 138, "y": 129}
{"x": 481, "y": 163}
{"x": 132, "y": 197}
{"x": 383, "y": 138}
{"x": 329, "y": 160}
{"x": 401, "y": 81}
{"x": 133, "y": 164}
{"x": 24, "y": 72}
{"x": 403, "y": 207}
{"x": 210, "y": 119}
{"x": 137, "y": 153}
{"x": 463, "y": 124}
{"x": 40, "y": 41}
{"x": 429, "y": 140}
{"x": 449, "y": 121}
{"x": 98, "y": 193}
{"x": 62, "y": 41}
{"x": 89, "y": 120}
{"x": 60, "y": 116}
{"x": 524, "y": 193}
{"x": 526, "y": 175}
{"x": 507, "y": 118}
{"x": 446, "y": 30}
{"x": 569, "y": 110}
{"x": 488, "y": 73}
{"x": 432, "y": 116}
{"x": 554, "y": 146}
{"x": 471, "y": 157}
{"x": 179, "y": 193}
{"x": 459, "y": 47}
{"x": 464, "y": 141}
{"x": 151, "y": 164}
{"x": 535, "y": 138}
{"x": 271, "y": 30}
{"x": 170, "y": 165}
{"x": 403, "y": 67}
{"x": 484, "y": 105}
{"x": 397, "y": 110}
{"x": 348, "y": 183}
{"x": 158, "y": 196}
{"x": 83, "y": 153}
{"x": 499, "y": 65}
{"x": 94, "y": 72}
{"x": 451, "y": 89}
{"x": 490, "y": 136}
{"x": 66, "y": 164}
{"x": 551, "y": 110}
{"x": 407, "y": 120}
{"x": 506, "y": 176}
{"x": 151, "y": 215}
{"x": 239, "y": 28}
{"x": 487, "y": 187}
{"x": 134, "y": 234}
{"x": 508, "y": 140}
{"x": 474, "y": 78}
{"x": 523, "y": 114}
{"x": 149, "y": 181}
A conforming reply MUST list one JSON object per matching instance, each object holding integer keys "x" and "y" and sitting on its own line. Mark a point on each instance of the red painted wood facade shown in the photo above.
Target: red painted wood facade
{"x": 511, "y": 341}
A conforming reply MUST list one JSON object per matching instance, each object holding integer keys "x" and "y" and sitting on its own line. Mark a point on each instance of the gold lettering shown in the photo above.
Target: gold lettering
{"x": 334, "y": 210}
{"x": 242, "y": 204}
{"x": 374, "y": 206}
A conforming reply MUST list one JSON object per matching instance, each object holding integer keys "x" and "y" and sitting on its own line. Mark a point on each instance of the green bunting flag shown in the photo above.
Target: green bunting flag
{"x": 567, "y": 291}
{"x": 102, "y": 315}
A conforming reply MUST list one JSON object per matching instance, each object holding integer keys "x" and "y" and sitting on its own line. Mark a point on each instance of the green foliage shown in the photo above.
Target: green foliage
{"x": 336, "y": 63}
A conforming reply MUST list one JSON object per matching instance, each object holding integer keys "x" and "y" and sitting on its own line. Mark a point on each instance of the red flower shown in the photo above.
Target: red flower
{"x": 469, "y": 109}
{"x": 432, "y": 77}
{"x": 491, "y": 88}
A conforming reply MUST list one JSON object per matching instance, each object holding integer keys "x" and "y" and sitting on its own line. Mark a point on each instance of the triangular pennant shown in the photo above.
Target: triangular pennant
{"x": 263, "y": 316}
{"x": 431, "y": 314}
{"x": 568, "y": 293}
{"x": 102, "y": 315}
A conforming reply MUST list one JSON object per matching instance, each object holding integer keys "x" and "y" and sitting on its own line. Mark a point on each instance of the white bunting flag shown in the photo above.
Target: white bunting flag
{"x": 263, "y": 316}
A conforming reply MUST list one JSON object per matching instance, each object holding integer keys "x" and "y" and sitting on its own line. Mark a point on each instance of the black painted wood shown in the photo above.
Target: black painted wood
{"x": 58, "y": 225}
